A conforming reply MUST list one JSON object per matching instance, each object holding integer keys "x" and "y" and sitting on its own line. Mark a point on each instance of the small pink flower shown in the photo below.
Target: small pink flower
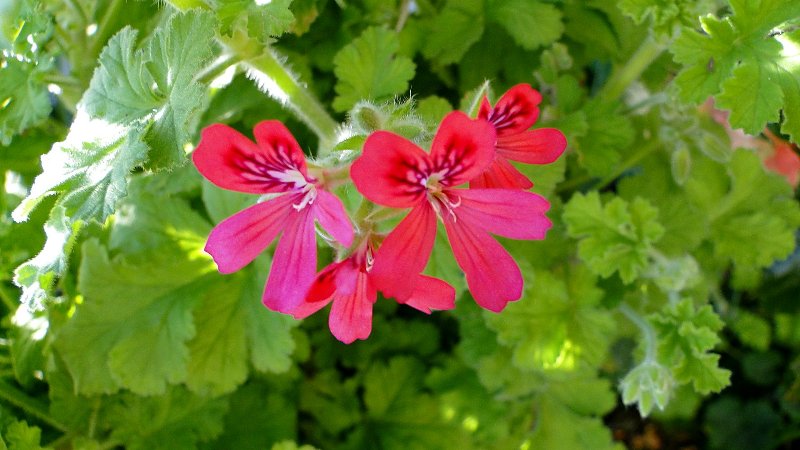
{"x": 348, "y": 285}
{"x": 274, "y": 164}
{"x": 394, "y": 172}
{"x": 515, "y": 112}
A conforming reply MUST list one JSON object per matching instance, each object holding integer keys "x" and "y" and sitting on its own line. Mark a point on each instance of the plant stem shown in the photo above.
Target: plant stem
{"x": 104, "y": 27}
{"x": 632, "y": 70}
{"x": 8, "y": 299}
{"x": 217, "y": 68}
{"x": 31, "y": 406}
{"x": 649, "y": 335}
{"x": 405, "y": 11}
{"x": 634, "y": 159}
{"x": 274, "y": 78}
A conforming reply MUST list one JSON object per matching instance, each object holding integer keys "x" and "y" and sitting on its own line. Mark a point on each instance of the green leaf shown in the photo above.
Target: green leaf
{"x": 558, "y": 325}
{"x": 453, "y": 31}
{"x": 664, "y": 17}
{"x": 530, "y": 23}
{"x": 741, "y": 61}
{"x": 752, "y": 330}
{"x": 37, "y": 276}
{"x": 763, "y": 102}
{"x": 21, "y": 436}
{"x": 615, "y": 237}
{"x": 155, "y": 84}
{"x": 553, "y": 417}
{"x": 177, "y": 419}
{"x": 87, "y": 171}
{"x": 262, "y": 20}
{"x": 401, "y": 415}
{"x": 369, "y": 68}
{"x": 686, "y": 334}
{"x": 648, "y": 385}
{"x": 274, "y": 410}
{"x": 609, "y": 133}
{"x": 766, "y": 218}
{"x": 136, "y": 317}
{"x": 230, "y": 319}
{"x": 24, "y": 101}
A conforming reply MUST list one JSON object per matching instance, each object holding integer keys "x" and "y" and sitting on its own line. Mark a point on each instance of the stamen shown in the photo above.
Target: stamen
{"x": 308, "y": 198}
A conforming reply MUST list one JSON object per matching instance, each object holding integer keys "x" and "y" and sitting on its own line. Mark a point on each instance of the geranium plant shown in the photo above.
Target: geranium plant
{"x": 536, "y": 224}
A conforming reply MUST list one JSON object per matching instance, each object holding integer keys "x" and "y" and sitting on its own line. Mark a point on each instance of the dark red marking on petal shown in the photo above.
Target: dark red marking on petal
{"x": 516, "y": 111}
{"x": 462, "y": 148}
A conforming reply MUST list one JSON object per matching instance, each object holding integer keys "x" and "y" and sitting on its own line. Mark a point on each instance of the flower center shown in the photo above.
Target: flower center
{"x": 308, "y": 198}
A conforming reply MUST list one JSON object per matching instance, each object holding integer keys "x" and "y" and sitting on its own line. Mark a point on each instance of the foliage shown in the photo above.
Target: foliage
{"x": 669, "y": 276}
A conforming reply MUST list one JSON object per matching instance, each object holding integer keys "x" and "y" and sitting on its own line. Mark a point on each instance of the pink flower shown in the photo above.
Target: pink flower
{"x": 515, "y": 112}
{"x": 394, "y": 172}
{"x": 352, "y": 290}
{"x": 274, "y": 164}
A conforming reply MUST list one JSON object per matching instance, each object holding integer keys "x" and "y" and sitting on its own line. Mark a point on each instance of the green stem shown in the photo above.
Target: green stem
{"x": 405, "y": 11}
{"x": 634, "y": 159}
{"x": 216, "y": 68}
{"x": 632, "y": 70}
{"x": 31, "y": 406}
{"x": 8, "y": 299}
{"x": 649, "y": 335}
{"x": 275, "y": 78}
{"x": 104, "y": 30}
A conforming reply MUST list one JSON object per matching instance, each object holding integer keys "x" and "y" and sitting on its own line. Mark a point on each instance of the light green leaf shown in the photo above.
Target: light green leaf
{"x": 88, "y": 171}
{"x": 553, "y": 417}
{"x": 615, "y": 237}
{"x": 686, "y": 334}
{"x": 763, "y": 100}
{"x": 21, "y": 436}
{"x": 648, "y": 385}
{"x": 740, "y": 60}
{"x": 530, "y": 23}
{"x": 136, "y": 316}
{"x": 24, "y": 101}
{"x": 155, "y": 84}
{"x": 453, "y": 31}
{"x": 262, "y": 20}
{"x": 37, "y": 276}
{"x": 369, "y": 68}
{"x": 609, "y": 133}
{"x": 558, "y": 325}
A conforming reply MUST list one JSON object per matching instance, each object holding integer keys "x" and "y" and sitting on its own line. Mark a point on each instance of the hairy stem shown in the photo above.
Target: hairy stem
{"x": 622, "y": 77}
{"x": 649, "y": 335}
{"x": 275, "y": 78}
{"x": 29, "y": 405}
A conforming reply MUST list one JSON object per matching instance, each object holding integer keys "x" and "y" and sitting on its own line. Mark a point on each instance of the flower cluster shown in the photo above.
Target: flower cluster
{"x": 466, "y": 181}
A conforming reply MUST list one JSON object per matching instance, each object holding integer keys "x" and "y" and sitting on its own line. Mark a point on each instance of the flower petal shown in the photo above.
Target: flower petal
{"x": 391, "y": 171}
{"x": 332, "y": 216}
{"x": 516, "y": 111}
{"x": 501, "y": 174}
{"x": 506, "y": 212}
{"x": 351, "y": 314}
{"x": 293, "y": 264}
{"x": 320, "y": 293}
{"x": 231, "y": 161}
{"x": 540, "y": 146}
{"x": 462, "y": 148}
{"x": 237, "y": 240}
{"x": 273, "y": 136}
{"x": 405, "y": 252}
{"x": 432, "y": 294}
{"x": 493, "y": 277}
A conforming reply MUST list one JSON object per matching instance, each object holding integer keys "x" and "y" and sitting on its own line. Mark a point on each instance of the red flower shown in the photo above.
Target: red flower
{"x": 274, "y": 164}
{"x": 515, "y": 112}
{"x": 351, "y": 289}
{"x": 393, "y": 171}
{"x": 784, "y": 159}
